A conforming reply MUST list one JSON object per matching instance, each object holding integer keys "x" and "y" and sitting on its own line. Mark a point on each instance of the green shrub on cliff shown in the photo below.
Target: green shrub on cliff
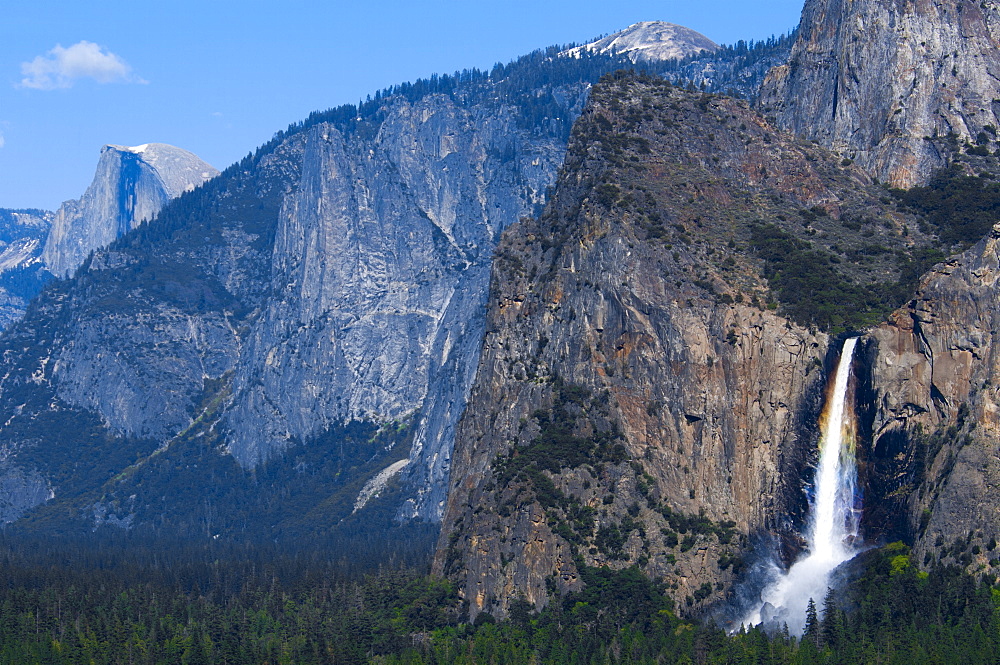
{"x": 960, "y": 208}
{"x": 811, "y": 289}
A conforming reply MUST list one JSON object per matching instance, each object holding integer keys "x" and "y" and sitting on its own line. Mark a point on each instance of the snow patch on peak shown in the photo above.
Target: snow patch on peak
{"x": 649, "y": 41}
{"x": 138, "y": 149}
{"x": 179, "y": 170}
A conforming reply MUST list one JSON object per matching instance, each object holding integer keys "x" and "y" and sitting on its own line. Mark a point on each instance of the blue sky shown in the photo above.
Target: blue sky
{"x": 219, "y": 77}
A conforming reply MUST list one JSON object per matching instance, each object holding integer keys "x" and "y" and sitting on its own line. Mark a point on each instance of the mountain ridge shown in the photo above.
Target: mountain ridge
{"x": 150, "y": 358}
{"x": 649, "y": 41}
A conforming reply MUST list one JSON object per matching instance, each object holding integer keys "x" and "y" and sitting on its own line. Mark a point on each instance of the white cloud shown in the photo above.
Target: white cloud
{"x": 62, "y": 67}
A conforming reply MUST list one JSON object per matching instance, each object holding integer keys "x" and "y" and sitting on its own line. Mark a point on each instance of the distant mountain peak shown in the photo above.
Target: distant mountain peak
{"x": 131, "y": 185}
{"x": 649, "y": 41}
{"x": 180, "y": 170}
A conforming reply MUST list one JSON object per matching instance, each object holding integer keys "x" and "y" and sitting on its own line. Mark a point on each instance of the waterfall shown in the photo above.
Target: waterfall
{"x": 834, "y": 518}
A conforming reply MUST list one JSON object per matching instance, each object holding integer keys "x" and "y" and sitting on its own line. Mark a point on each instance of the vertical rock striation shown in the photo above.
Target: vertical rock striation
{"x": 892, "y": 84}
{"x": 338, "y": 276}
{"x": 380, "y": 271}
{"x": 22, "y": 237}
{"x": 934, "y": 370}
{"x": 131, "y": 185}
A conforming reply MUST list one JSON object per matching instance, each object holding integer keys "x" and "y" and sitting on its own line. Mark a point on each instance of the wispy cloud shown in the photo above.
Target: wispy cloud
{"x": 2, "y": 141}
{"x": 62, "y": 67}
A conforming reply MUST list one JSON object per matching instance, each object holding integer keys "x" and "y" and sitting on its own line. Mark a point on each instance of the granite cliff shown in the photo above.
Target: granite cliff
{"x": 643, "y": 353}
{"x": 22, "y": 274}
{"x": 581, "y": 449}
{"x": 649, "y": 384}
{"x": 931, "y": 375}
{"x": 173, "y": 333}
{"x": 909, "y": 91}
{"x": 898, "y": 86}
{"x": 130, "y": 186}
{"x": 297, "y": 326}
{"x": 379, "y": 275}
{"x": 97, "y": 373}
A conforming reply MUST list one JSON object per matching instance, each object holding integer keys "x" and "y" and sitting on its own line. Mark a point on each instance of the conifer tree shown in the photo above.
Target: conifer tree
{"x": 830, "y": 632}
{"x": 812, "y": 623}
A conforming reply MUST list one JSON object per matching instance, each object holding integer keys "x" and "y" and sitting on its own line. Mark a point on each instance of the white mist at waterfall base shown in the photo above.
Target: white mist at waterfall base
{"x": 834, "y": 517}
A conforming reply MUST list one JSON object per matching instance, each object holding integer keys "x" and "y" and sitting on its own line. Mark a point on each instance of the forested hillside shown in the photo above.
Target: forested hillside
{"x": 250, "y": 608}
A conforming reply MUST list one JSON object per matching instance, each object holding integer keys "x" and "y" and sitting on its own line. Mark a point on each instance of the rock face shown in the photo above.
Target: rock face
{"x": 338, "y": 276}
{"x": 101, "y": 377}
{"x": 902, "y": 88}
{"x": 936, "y": 415}
{"x": 380, "y": 274}
{"x": 636, "y": 402}
{"x": 130, "y": 185}
{"x": 650, "y": 41}
{"x": 895, "y": 85}
{"x": 22, "y": 236}
{"x": 296, "y": 325}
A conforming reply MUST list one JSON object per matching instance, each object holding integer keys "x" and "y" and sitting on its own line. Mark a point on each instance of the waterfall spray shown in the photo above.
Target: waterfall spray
{"x": 834, "y": 519}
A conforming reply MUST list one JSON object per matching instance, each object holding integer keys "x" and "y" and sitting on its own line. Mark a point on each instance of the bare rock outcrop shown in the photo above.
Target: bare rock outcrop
{"x": 380, "y": 270}
{"x": 22, "y": 274}
{"x": 131, "y": 185}
{"x": 895, "y": 85}
{"x": 934, "y": 372}
{"x": 637, "y": 401}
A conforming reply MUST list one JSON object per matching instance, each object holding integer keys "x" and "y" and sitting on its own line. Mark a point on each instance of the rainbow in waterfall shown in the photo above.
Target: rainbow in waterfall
{"x": 834, "y": 516}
